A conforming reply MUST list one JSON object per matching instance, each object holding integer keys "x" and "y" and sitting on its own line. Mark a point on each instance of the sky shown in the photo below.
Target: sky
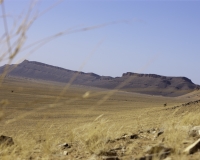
{"x": 110, "y": 37}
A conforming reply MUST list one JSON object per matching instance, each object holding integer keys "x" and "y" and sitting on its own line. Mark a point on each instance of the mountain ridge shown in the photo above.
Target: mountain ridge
{"x": 132, "y": 82}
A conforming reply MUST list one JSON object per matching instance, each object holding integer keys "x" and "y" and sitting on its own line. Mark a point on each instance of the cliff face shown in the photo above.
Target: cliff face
{"x": 132, "y": 82}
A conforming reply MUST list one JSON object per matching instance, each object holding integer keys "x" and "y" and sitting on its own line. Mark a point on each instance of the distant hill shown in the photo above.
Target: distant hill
{"x": 132, "y": 82}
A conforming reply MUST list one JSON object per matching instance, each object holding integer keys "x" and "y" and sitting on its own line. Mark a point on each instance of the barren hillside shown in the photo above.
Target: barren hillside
{"x": 133, "y": 82}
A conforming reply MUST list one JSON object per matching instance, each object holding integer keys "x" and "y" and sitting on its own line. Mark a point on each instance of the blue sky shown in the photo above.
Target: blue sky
{"x": 160, "y": 37}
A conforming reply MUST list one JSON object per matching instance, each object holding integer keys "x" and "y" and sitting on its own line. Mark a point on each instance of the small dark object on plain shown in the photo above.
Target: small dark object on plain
{"x": 65, "y": 146}
{"x": 134, "y": 136}
{"x": 165, "y": 105}
{"x": 7, "y": 141}
{"x": 159, "y": 133}
{"x": 12, "y": 91}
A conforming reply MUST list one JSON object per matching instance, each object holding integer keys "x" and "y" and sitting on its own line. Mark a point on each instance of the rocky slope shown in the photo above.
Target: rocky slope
{"x": 132, "y": 82}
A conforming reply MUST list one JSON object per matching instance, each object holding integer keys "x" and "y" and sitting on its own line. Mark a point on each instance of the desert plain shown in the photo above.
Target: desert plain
{"x": 49, "y": 120}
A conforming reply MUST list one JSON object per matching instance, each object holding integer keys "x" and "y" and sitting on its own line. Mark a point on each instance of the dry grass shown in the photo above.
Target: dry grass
{"x": 41, "y": 115}
{"x": 38, "y": 124}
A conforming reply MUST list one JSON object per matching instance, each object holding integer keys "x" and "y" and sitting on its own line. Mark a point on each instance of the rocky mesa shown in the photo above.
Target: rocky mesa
{"x": 132, "y": 82}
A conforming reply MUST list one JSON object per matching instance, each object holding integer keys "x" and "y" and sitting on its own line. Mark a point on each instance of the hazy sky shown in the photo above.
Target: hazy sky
{"x": 160, "y": 37}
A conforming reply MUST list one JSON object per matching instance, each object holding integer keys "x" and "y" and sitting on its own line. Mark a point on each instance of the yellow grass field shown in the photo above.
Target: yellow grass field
{"x": 41, "y": 115}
